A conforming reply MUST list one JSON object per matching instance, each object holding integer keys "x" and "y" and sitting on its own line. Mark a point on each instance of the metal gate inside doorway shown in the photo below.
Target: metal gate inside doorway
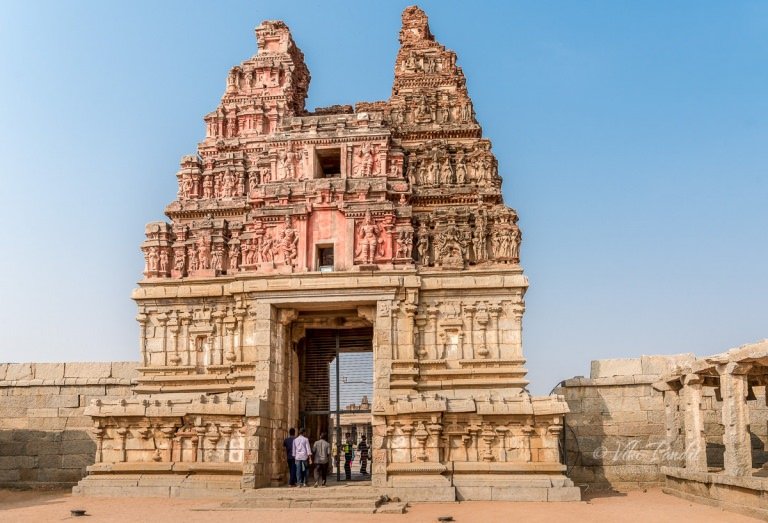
{"x": 335, "y": 396}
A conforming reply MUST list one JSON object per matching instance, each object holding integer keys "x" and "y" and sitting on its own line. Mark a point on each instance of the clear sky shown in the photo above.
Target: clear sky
{"x": 632, "y": 138}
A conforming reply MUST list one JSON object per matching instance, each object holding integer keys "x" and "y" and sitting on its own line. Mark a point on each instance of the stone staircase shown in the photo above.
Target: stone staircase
{"x": 336, "y": 498}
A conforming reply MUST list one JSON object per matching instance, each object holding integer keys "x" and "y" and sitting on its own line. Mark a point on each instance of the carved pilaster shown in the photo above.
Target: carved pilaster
{"x": 421, "y": 323}
{"x": 482, "y": 320}
{"x": 240, "y": 317}
{"x": 432, "y": 313}
{"x": 142, "y": 319}
{"x": 174, "y": 327}
{"x": 410, "y": 324}
{"x": 494, "y": 311}
{"x": 470, "y": 310}
{"x": 162, "y": 319}
{"x": 218, "y": 341}
{"x": 98, "y": 431}
{"x": 528, "y": 432}
{"x": 122, "y": 433}
{"x": 230, "y": 323}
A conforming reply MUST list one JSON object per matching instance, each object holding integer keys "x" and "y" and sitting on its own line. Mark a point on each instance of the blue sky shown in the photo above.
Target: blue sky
{"x": 631, "y": 137}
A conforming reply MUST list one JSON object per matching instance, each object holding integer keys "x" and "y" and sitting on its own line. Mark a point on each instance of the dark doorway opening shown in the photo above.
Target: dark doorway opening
{"x": 335, "y": 396}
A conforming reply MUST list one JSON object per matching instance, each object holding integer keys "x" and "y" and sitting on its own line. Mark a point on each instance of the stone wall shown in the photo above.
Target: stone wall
{"x": 615, "y": 433}
{"x": 45, "y": 441}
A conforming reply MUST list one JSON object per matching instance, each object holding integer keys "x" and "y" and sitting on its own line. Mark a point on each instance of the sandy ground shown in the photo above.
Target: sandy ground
{"x": 648, "y": 507}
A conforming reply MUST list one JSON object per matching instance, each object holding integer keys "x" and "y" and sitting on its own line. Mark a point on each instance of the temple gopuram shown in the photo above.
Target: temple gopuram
{"x": 302, "y": 240}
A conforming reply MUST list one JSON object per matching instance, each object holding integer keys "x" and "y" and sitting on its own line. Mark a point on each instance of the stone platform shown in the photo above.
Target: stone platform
{"x": 177, "y": 480}
{"x": 337, "y": 498}
{"x": 745, "y": 495}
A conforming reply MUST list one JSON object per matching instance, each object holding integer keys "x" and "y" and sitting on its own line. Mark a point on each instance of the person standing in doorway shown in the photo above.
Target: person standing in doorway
{"x": 321, "y": 453}
{"x": 288, "y": 445}
{"x": 362, "y": 448}
{"x": 301, "y": 454}
{"x": 349, "y": 454}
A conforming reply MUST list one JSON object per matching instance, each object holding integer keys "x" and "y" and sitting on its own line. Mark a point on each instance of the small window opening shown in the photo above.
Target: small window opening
{"x": 325, "y": 259}
{"x": 328, "y": 163}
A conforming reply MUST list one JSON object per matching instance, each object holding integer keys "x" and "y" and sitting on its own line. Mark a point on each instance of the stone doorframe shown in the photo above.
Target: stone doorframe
{"x": 279, "y": 325}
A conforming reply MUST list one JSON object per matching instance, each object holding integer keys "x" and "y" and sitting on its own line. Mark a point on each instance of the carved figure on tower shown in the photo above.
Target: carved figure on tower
{"x": 369, "y": 242}
{"x": 288, "y": 242}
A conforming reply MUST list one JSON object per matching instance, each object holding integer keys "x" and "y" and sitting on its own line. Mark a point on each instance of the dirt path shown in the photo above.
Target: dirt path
{"x": 646, "y": 507}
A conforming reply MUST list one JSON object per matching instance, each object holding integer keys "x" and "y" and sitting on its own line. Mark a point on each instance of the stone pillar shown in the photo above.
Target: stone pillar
{"x": 396, "y": 345}
{"x": 218, "y": 341}
{"x": 495, "y": 310}
{"x": 674, "y": 443}
{"x": 162, "y": 319}
{"x": 528, "y": 432}
{"x": 421, "y": 352}
{"x": 174, "y": 326}
{"x": 169, "y": 431}
{"x": 517, "y": 311}
{"x": 695, "y": 444}
{"x": 482, "y": 319}
{"x": 122, "y": 434}
{"x": 470, "y": 311}
{"x": 432, "y": 315}
{"x": 186, "y": 319}
{"x": 240, "y": 317}
{"x": 736, "y": 439}
{"x": 382, "y": 357}
{"x": 142, "y": 319}
{"x": 230, "y": 323}
{"x": 408, "y": 351}
{"x": 98, "y": 432}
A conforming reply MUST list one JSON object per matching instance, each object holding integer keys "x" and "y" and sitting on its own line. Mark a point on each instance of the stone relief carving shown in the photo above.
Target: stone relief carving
{"x": 287, "y": 243}
{"x": 369, "y": 241}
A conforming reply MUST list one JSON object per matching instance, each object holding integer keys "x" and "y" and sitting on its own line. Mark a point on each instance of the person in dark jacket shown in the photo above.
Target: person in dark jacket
{"x": 288, "y": 444}
{"x": 362, "y": 448}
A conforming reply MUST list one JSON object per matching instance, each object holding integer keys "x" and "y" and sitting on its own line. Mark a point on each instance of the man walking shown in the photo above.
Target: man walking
{"x": 288, "y": 445}
{"x": 349, "y": 454}
{"x": 321, "y": 452}
{"x": 301, "y": 454}
{"x": 362, "y": 447}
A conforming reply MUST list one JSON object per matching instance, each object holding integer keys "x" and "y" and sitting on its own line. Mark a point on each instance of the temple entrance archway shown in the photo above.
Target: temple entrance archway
{"x": 335, "y": 395}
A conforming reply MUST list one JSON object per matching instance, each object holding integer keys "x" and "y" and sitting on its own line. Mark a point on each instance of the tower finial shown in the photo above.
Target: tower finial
{"x": 415, "y": 26}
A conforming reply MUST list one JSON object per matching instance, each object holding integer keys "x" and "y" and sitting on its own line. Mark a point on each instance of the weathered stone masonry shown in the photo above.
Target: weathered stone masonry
{"x": 46, "y": 440}
{"x": 696, "y": 426}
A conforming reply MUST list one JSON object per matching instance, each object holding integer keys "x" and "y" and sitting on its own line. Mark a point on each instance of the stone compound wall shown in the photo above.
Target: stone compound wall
{"x": 615, "y": 433}
{"x": 45, "y": 439}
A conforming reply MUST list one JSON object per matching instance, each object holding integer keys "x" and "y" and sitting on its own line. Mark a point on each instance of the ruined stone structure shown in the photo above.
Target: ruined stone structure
{"x": 736, "y": 380}
{"x": 698, "y": 427}
{"x": 385, "y": 218}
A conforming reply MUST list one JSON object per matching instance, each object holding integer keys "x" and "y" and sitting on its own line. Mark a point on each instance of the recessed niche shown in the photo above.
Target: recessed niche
{"x": 328, "y": 163}
{"x": 325, "y": 258}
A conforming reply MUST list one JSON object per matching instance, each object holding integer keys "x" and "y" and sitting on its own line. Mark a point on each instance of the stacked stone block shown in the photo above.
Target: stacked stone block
{"x": 45, "y": 439}
{"x": 615, "y": 435}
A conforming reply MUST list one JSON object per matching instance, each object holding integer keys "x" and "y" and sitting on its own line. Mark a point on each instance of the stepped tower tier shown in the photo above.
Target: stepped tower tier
{"x": 380, "y": 226}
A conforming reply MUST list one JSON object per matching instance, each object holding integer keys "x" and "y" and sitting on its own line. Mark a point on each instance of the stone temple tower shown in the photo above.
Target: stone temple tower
{"x": 298, "y": 237}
